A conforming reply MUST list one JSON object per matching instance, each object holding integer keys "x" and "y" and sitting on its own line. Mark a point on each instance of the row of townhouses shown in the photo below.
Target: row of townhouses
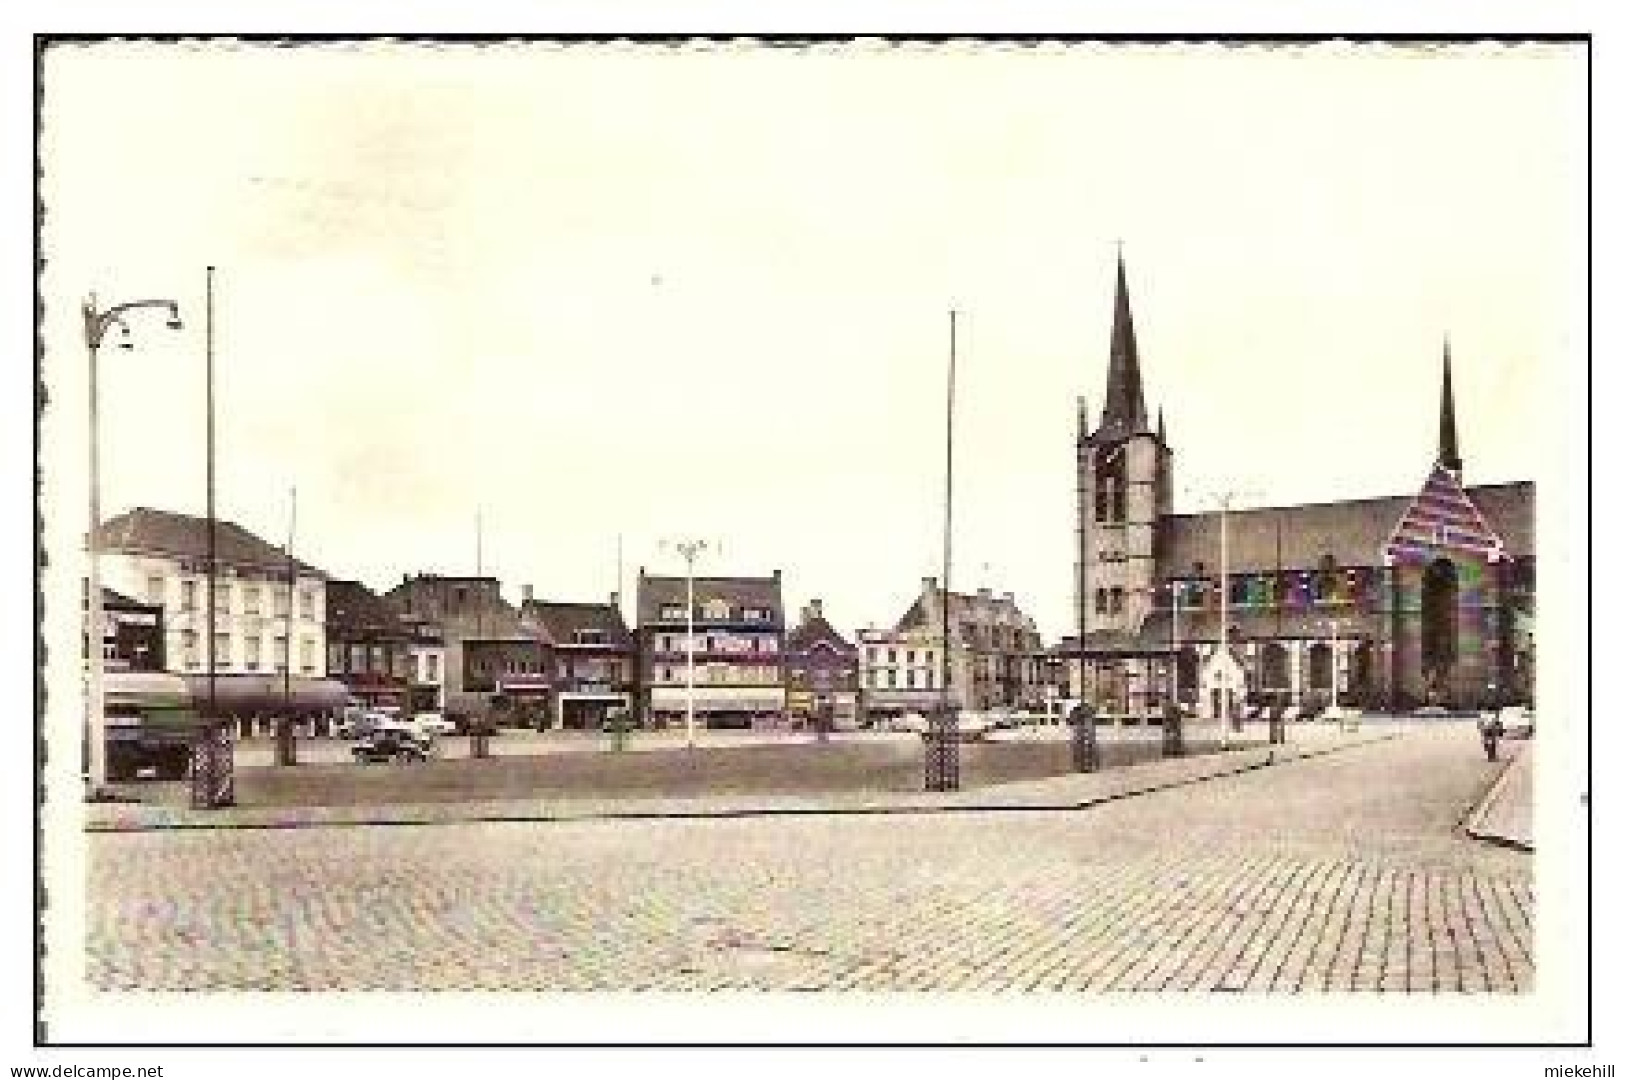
{"x": 453, "y": 643}
{"x": 1423, "y": 598}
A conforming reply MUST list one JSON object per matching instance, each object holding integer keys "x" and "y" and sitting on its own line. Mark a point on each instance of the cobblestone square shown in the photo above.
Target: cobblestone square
{"x": 1347, "y": 872}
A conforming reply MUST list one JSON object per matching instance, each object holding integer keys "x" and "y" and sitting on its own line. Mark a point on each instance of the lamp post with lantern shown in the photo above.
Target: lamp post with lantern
{"x": 97, "y": 322}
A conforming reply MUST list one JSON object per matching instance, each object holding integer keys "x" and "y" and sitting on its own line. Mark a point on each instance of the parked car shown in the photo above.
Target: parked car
{"x": 392, "y": 742}
{"x": 431, "y": 723}
{"x": 359, "y": 725}
{"x": 912, "y": 722}
{"x": 974, "y": 726}
{"x": 1517, "y": 721}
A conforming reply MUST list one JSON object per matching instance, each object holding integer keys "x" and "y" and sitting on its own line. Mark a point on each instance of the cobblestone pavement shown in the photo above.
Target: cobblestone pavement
{"x": 1345, "y": 872}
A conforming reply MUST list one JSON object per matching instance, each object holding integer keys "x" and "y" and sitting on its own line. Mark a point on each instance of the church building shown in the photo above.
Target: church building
{"x": 1390, "y": 603}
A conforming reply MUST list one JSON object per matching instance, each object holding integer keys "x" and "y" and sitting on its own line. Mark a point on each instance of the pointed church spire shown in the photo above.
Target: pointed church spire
{"x": 1162, "y": 428}
{"x": 1449, "y": 454}
{"x": 1125, "y": 398}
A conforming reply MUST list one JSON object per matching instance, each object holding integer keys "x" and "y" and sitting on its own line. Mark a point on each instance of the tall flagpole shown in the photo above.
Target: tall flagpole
{"x": 208, "y": 395}
{"x": 942, "y": 749}
{"x": 287, "y": 669}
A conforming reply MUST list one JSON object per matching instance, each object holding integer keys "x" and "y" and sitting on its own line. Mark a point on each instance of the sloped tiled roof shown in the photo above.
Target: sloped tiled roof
{"x": 560, "y": 620}
{"x": 1122, "y": 643}
{"x": 111, "y": 598}
{"x": 966, "y": 607}
{"x": 352, "y": 606}
{"x": 817, "y": 630}
{"x": 163, "y": 532}
{"x": 1353, "y": 532}
{"x": 738, "y": 592}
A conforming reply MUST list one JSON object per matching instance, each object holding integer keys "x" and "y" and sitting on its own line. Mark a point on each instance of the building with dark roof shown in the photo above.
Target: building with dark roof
{"x": 475, "y": 640}
{"x": 737, "y": 649}
{"x": 263, "y": 599}
{"x": 996, "y": 655}
{"x": 821, "y": 672}
{"x": 1383, "y": 602}
{"x": 591, "y": 659}
{"x": 369, "y": 646}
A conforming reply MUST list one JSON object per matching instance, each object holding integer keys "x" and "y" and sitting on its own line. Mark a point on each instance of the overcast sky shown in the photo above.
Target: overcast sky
{"x": 651, "y": 293}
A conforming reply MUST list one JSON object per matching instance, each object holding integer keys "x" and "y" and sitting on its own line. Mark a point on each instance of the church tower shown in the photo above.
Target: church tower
{"x": 1124, "y": 473}
{"x": 1449, "y": 454}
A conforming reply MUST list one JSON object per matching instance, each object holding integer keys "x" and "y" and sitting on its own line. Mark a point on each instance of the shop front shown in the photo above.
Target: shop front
{"x": 522, "y": 701}
{"x": 735, "y": 707}
{"x": 588, "y": 706}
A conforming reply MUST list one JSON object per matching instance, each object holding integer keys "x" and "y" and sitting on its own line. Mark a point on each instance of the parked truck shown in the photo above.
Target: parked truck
{"x": 151, "y": 723}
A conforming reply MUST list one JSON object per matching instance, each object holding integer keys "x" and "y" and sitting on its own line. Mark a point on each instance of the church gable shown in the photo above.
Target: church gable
{"x": 1442, "y": 517}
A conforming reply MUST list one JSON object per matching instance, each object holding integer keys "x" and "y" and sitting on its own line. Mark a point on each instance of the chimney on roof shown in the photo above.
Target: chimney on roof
{"x": 929, "y": 585}
{"x": 816, "y": 608}
{"x": 615, "y": 600}
{"x": 527, "y": 593}
{"x": 984, "y": 594}
{"x": 776, "y": 575}
{"x": 1010, "y": 598}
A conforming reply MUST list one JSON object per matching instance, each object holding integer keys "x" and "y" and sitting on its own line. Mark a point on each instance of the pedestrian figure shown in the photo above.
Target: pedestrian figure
{"x": 1490, "y": 730}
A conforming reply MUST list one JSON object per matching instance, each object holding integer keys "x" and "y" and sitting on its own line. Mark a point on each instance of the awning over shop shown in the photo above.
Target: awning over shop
{"x": 719, "y": 699}
{"x": 238, "y": 695}
{"x": 523, "y": 687}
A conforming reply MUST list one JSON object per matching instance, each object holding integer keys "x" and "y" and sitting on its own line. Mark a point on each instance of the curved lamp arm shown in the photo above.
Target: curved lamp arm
{"x": 98, "y": 322}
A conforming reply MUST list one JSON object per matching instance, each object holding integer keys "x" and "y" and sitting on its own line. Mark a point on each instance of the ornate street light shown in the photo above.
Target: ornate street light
{"x": 690, "y": 550}
{"x": 98, "y": 321}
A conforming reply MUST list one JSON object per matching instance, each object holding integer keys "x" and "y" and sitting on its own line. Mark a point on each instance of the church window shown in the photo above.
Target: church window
{"x": 1275, "y": 666}
{"x": 1101, "y": 601}
{"x": 1327, "y": 580}
{"x": 1239, "y": 588}
{"x": 1117, "y": 601}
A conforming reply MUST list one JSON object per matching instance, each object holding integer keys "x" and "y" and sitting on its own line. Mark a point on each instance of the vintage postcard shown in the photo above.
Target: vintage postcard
{"x": 813, "y": 540}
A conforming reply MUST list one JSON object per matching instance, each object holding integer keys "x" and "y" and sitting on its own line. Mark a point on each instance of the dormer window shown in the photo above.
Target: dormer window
{"x": 717, "y": 610}
{"x": 672, "y": 612}
{"x": 591, "y": 637}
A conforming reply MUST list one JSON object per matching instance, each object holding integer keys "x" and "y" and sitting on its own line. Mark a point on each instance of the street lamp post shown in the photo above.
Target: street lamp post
{"x": 98, "y": 321}
{"x": 690, "y": 550}
{"x": 1334, "y": 626}
{"x": 1225, "y": 499}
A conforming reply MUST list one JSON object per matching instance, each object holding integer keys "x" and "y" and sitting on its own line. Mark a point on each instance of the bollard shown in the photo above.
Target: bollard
{"x": 213, "y": 780}
{"x": 286, "y": 748}
{"x": 479, "y": 743}
{"x": 1173, "y": 731}
{"x": 617, "y": 729}
{"x": 942, "y": 751}
{"x": 1085, "y": 739}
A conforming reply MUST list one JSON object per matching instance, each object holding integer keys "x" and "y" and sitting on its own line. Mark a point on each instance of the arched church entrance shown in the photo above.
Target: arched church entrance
{"x": 1275, "y": 673}
{"x": 1440, "y": 591}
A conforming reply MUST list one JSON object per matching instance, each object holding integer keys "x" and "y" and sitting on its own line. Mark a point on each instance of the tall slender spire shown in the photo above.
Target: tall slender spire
{"x": 1162, "y": 428}
{"x": 1449, "y": 452}
{"x": 1125, "y": 398}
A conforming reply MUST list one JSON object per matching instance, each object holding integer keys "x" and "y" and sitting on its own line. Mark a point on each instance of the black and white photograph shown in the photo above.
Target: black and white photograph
{"x": 813, "y": 540}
